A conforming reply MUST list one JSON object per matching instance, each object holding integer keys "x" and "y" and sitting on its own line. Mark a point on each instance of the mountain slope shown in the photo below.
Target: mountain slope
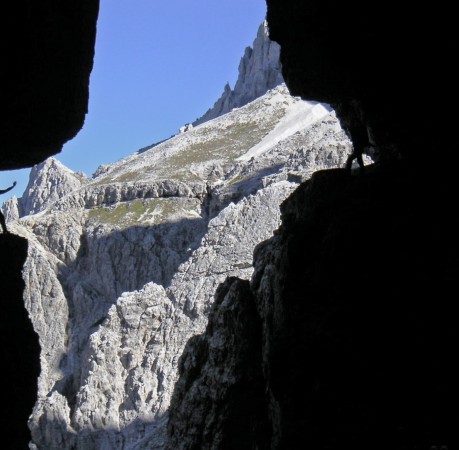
{"x": 128, "y": 263}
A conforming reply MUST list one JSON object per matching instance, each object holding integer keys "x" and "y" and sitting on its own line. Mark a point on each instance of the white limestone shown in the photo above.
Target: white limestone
{"x": 122, "y": 268}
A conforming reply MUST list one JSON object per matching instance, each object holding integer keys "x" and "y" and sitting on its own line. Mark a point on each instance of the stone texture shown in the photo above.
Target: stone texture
{"x": 123, "y": 269}
{"x": 49, "y": 181}
{"x": 11, "y": 209}
{"x": 345, "y": 364}
{"x": 219, "y": 400}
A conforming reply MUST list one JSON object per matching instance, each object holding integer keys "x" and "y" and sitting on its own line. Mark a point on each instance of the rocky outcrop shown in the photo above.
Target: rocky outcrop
{"x": 375, "y": 67}
{"x": 49, "y": 181}
{"x": 11, "y": 209}
{"x": 219, "y": 400}
{"x": 259, "y": 71}
{"x": 47, "y": 51}
{"x": 348, "y": 332}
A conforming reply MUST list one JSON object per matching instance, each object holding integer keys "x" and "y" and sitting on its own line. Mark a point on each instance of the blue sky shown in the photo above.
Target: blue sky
{"x": 158, "y": 65}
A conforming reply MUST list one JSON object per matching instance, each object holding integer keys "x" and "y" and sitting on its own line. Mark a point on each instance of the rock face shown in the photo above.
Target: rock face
{"x": 219, "y": 400}
{"x": 48, "y": 50}
{"x": 353, "y": 290}
{"x": 343, "y": 53}
{"x": 10, "y": 209}
{"x": 49, "y": 181}
{"x": 259, "y": 71}
{"x": 341, "y": 360}
{"x": 123, "y": 268}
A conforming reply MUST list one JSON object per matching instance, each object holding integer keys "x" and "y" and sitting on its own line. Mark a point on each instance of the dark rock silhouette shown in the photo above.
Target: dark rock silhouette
{"x": 2, "y": 217}
{"x": 20, "y": 350}
{"x": 352, "y": 324}
{"x": 393, "y": 61}
{"x": 353, "y": 123}
{"x": 357, "y": 333}
{"x": 47, "y": 50}
{"x": 354, "y": 291}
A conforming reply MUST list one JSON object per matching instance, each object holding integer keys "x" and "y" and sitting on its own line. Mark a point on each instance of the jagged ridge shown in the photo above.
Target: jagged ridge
{"x": 259, "y": 71}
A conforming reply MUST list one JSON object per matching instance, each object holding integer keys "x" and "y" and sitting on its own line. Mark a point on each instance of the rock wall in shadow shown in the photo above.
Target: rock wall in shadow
{"x": 221, "y": 391}
{"x": 354, "y": 290}
{"x": 357, "y": 333}
{"x": 384, "y": 68}
{"x": 20, "y": 351}
{"x": 362, "y": 324}
{"x": 47, "y": 52}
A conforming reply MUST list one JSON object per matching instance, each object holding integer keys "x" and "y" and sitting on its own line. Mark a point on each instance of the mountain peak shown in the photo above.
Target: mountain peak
{"x": 48, "y": 182}
{"x": 259, "y": 71}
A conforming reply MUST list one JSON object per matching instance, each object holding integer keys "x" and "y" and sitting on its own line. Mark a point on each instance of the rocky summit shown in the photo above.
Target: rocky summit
{"x": 259, "y": 71}
{"x": 122, "y": 268}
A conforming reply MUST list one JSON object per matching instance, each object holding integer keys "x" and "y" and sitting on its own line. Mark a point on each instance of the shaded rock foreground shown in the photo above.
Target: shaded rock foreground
{"x": 48, "y": 51}
{"x": 355, "y": 335}
{"x": 382, "y": 68}
{"x": 20, "y": 351}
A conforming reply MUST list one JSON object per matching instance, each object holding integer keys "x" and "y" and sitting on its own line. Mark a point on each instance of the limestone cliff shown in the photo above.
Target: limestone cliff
{"x": 49, "y": 181}
{"x": 122, "y": 268}
{"x": 350, "y": 301}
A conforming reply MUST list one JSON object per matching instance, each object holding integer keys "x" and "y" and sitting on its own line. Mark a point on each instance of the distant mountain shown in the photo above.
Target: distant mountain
{"x": 122, "y": 269}
{"x": 259, "y": 71}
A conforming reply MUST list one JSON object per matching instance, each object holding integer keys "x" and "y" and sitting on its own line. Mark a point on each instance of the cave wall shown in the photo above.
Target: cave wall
{"x": 19, "y": 347}
{"x": 354, "y": 291}
{"x": 394, "y": 62}
{"x": 350, "y": 321}
{"x": 47, "y": 49}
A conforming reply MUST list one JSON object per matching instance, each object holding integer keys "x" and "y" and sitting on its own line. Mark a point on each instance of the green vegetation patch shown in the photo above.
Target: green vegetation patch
{"x": 146, "y": 211}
